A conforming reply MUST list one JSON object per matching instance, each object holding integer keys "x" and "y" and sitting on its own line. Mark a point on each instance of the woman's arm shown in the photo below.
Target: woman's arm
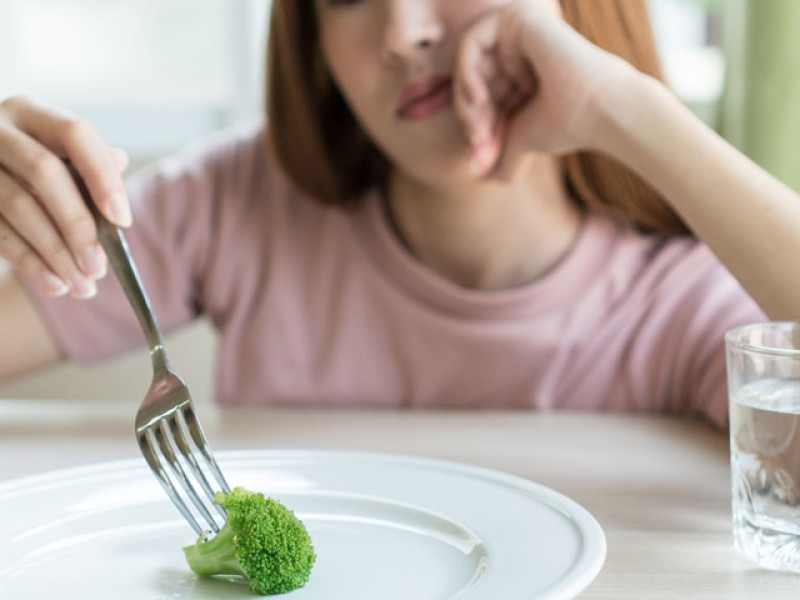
{"x": 47, "y": 233}
{"x": 27, "y": 343}
{"x": 747, "y": 217}
{"x": 568, "y": 95}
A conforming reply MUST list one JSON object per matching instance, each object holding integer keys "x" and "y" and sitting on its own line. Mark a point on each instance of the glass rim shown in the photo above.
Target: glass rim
{"x": 734, "y": 337}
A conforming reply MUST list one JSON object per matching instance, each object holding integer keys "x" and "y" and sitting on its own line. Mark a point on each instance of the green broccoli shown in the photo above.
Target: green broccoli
{"x": 261, "y": 540}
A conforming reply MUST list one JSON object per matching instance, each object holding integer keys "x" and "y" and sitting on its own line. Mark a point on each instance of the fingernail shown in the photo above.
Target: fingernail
{"x": 82, "y": 287}
{"x": 53, "y": 285}
{"x": 93, "y": 262}
{"x": 119, "y": 209}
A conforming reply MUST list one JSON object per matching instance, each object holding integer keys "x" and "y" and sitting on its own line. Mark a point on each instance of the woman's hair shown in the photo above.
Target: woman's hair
{"x": 322, "y": 147}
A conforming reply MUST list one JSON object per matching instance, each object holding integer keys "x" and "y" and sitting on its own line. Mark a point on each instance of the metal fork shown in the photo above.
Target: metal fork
{"x": 166, "y": 415}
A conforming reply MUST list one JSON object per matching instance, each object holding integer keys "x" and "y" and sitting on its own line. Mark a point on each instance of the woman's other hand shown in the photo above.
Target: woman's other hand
{"x": 528, "y": 82}
{"x": 47, "y": 232}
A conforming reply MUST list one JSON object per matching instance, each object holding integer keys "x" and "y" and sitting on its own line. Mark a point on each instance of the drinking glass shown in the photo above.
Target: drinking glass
{"x": 763, "y": 365}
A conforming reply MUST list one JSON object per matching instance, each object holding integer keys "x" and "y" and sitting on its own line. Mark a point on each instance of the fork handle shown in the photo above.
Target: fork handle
{"x": 116, "y": 248}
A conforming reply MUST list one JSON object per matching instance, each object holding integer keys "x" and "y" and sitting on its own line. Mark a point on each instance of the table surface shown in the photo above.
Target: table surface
{"x": 658, "y": 486}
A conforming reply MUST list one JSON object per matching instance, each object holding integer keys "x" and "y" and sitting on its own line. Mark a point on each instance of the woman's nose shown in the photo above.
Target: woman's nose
{"x": 412, "y": 26}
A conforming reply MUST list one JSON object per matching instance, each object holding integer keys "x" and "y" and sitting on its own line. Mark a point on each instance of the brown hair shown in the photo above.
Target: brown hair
{"x": 322, "y": 147}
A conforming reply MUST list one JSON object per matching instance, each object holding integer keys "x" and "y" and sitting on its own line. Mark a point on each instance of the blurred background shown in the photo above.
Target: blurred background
{"x": 154, "y": 75}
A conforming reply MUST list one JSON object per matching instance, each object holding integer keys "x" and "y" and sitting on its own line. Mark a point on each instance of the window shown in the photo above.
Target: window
{"x": 149, "y": 74}
{"x": 688, "y": 34}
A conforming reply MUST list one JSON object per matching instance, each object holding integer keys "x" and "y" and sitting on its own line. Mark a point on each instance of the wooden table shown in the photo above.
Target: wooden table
{"x": 658, "y": 486}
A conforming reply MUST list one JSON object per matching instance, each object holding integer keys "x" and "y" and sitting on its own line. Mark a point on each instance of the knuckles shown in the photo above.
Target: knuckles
{"x": 75, "y": 131}
{"x": 14, "y": 105}
{"x": 16, "y": 204}
{"x": 43, "y": 165}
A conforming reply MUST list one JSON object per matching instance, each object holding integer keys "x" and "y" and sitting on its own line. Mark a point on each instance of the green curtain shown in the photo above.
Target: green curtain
{"x": 760, "y": 111}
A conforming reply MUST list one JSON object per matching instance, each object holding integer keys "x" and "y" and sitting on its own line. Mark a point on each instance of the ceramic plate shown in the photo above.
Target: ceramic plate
{"x": 384, "y": 527}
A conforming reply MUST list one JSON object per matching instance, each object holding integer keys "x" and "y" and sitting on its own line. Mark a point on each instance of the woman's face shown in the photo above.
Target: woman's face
{"x": 393, "y": 61}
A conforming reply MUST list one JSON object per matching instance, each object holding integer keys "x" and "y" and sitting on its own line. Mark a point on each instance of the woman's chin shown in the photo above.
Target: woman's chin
{"x": 447, "y": 171}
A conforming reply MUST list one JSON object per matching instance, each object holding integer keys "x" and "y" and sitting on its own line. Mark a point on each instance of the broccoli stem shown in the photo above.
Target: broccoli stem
{"x": 216, "y": 556}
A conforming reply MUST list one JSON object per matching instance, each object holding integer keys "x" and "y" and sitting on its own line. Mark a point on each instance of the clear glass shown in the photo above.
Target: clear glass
{"x": 764, "y": 390}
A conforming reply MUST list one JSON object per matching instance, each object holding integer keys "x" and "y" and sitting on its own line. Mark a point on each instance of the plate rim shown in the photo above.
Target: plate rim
{"x": 589, "y": 559}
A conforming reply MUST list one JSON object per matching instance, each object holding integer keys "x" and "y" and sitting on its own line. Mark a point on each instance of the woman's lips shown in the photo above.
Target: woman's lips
{"x": 425, "y": 97}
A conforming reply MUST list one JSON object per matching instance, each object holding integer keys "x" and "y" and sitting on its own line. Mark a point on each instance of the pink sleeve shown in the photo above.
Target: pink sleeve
{"x": 175, "y": 204}
{"x": 724, "y": 306}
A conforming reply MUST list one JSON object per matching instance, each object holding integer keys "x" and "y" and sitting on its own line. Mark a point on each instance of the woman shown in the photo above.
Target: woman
{"x": 441, "y": 217}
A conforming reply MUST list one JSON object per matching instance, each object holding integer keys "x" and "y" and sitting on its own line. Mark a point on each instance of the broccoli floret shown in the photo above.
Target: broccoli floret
{"x": 261, "y": 540}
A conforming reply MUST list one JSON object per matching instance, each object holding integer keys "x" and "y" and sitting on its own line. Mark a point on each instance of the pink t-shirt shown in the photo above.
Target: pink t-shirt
{"x": 319, "y": 306}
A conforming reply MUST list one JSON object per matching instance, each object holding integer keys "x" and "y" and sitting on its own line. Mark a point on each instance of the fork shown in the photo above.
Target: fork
{"x": 166, "y": 415}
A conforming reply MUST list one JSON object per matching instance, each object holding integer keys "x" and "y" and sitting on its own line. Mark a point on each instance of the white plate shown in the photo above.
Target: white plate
{"x": 384, "y": 527}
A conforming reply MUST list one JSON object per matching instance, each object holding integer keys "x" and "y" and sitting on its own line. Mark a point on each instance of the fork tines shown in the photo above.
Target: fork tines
{"x": 166, "y": 438}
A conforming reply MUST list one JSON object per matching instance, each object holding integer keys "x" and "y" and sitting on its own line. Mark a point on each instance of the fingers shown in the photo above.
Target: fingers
{"x": 42, "y": 205}
{"x": 27, "y": 262}
{"x": 475, "y": 66}
{"x": 78, "y": 141}
{"x": 27, "y": 234}
{"x": 47, "y": 231}
{"x": 494, "y": 80}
